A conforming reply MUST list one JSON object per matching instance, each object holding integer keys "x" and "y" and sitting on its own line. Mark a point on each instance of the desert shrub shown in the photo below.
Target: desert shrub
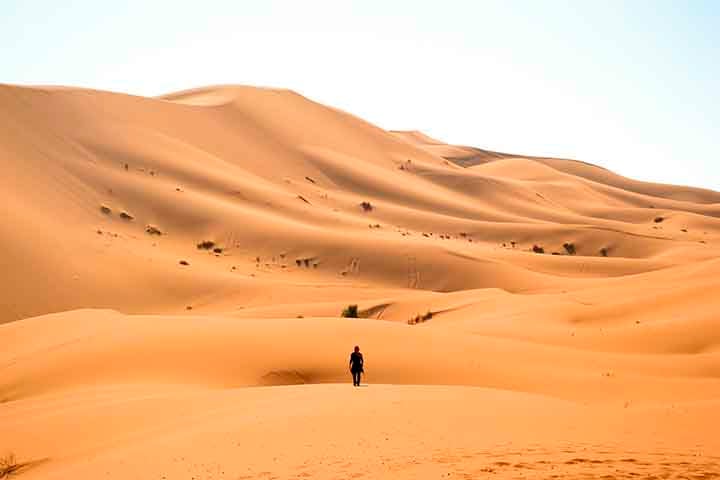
{"x": 126, "y": 216}
{"x": 184, "y": 262}
{"x": 366, "y": 206}
{"x": 205, "y": 245}
{"x": 604, "y": 251}
{"x": 105, "y": 209}
{"x": 298, "y": 262}
{"x": 658, "y": 219}
{"x": 217, "y": 250}
{"x": 420, "y": 318}
{"x": 152, "y": 230}
{"x": 538, "y": 249}
{"x": 569, "y": 248}
{"x": 9, "y": 465}
{"x": 351, "y": 311}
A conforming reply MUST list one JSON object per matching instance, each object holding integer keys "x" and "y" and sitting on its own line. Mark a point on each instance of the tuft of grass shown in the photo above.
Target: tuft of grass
{"x": 206, "y": 245}
{"x": 9, "y": 465}
{"x": 538, "y": 249}
{"x": 105, "y": 209}
{"x": 420, "y": 318}
{"x": 184, "y": 262}
{"x": 351, "y": 311}
{"x": 658, "y": 219}
{"x": 126, "y": 216}
{"x": 153, "y": 230}
{"x": 217, "y": 250}
{"x": 604, "y": 251}
{"x": 366, "y": 206}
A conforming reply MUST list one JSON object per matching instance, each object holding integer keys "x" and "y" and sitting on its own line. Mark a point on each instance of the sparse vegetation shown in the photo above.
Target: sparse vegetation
{"x": 420, "y": 318}
{"x": 658, "y": 219}
{"x": 126, "y": 216}
{"x": 9, "y": 465}
{"x": 206, "y": 245}
{"x": 105, "y": 209}
{"x": 217, "y": 250}
{"x": 604, "y": 251}
{"x": 538, "y": 249}
{"x": 304, "y": 199}
{"x": 153, "y": 230}
{"x": 309, "y": 179}
{"x": 184, "y": 262}
{"x": 366, "y": 206}
{"x": 569, "y": 248}
{"x": 351, "y": 311}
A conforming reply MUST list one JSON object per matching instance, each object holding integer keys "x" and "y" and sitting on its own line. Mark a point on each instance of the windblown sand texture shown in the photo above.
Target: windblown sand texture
{"x": 173, "y": 270}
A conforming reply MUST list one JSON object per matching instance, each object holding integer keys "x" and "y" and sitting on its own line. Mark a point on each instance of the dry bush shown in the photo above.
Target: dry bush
{"x": 126, "y": 216}
{"x": 569, "y": 248}
{"x": 658, "y": 219}
{"x": 105, "y": 209}
{"x": 206, "y": 245}
{"x": 420, "y": 318}
{"x": 9, "y": 465}
{"x": 152, "y": 230}
{"x": 538, "y": 249}
{"x": 366, "y": 206}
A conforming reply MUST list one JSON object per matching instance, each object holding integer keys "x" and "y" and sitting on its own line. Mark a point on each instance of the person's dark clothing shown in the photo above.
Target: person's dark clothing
{"x": 356, "y": 367}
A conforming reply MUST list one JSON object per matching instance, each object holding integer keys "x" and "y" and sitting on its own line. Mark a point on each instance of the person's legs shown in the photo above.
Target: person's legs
{"x": 356, "y": 379}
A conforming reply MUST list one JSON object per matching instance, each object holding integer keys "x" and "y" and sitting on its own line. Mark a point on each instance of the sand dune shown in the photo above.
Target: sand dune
{"x": 174, "y": 268}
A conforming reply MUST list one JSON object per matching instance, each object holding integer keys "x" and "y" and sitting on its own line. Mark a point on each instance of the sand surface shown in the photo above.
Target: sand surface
{"x": 173, "y": 271}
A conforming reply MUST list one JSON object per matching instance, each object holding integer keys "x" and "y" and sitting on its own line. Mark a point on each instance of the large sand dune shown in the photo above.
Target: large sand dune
{"x": 133, "y": 350}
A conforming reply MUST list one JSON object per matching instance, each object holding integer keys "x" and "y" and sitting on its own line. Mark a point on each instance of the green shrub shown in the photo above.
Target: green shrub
{"x": 350, "y": 312}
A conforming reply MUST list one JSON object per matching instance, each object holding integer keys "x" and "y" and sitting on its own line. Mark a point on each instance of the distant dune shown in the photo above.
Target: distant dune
{"x": 521, "y": 315}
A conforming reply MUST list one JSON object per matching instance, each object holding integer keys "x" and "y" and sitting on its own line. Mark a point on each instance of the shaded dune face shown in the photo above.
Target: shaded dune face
{"x": 161, "y": 255}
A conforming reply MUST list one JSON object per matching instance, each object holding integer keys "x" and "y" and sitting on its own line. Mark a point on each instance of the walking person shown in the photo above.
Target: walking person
{"x": 356, "y": 365}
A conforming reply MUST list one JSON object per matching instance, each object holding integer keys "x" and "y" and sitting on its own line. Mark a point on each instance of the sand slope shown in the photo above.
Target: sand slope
{"x": 153, "y": 358}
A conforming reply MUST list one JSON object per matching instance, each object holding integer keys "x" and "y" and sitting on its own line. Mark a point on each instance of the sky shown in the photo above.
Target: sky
{"x": 628, "y": 85}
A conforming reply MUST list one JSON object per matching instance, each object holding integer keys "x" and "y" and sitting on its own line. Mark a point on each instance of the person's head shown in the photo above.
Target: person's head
{"x": 357, "y": 349}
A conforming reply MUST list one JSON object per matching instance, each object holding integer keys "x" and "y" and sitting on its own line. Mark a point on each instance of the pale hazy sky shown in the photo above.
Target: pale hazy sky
{"x": 630, "y": 85}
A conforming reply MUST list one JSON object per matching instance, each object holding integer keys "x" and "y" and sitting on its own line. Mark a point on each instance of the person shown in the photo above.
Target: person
{"x": 356, "y": 365}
